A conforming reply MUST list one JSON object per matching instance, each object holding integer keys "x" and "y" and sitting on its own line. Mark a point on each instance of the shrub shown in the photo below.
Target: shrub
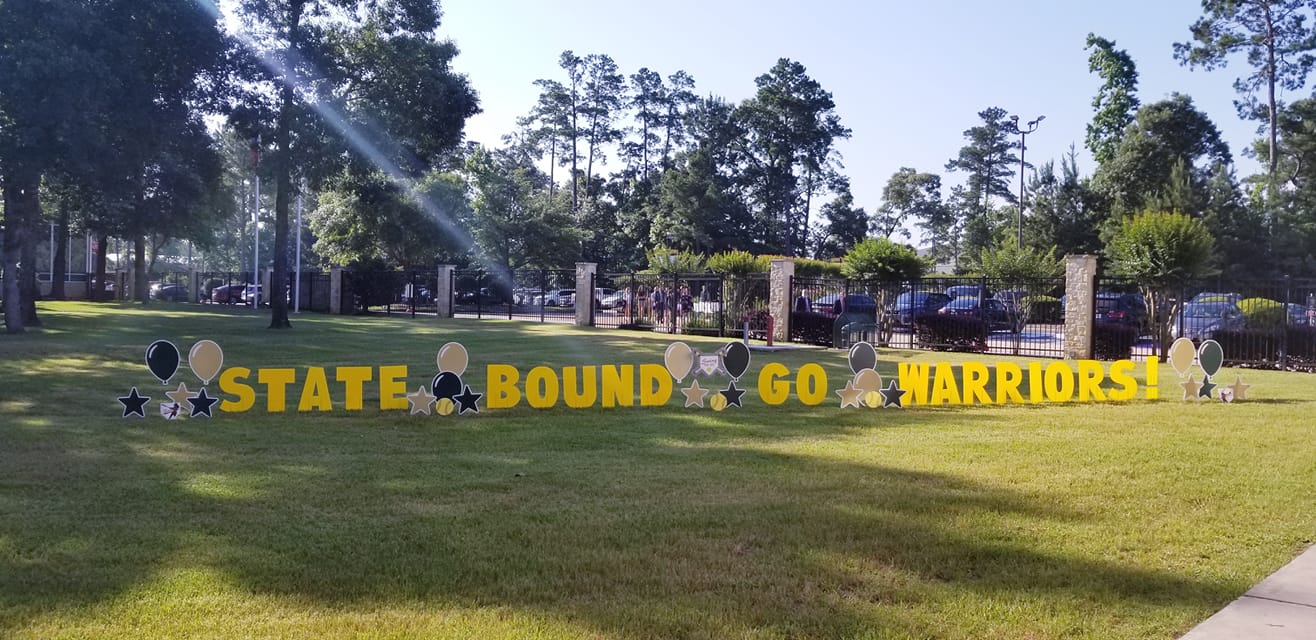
{"x": 951, "y": 333}
{"x": 1263, "y": 313}
{"x": 1113, "y": 341}
{"x": 737, "y": 263}
{"x": 809, "y": 268}
{"x": 883, "y": 260}
{"x": 1043, "y": 309}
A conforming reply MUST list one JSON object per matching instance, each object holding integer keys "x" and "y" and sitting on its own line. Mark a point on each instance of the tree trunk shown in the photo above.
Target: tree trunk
{"x": 1270, "y": 87}
{"x": 15, "y": 237}
{"x": 274, "y": 291}
{"x": 22, "y": 197}
{"x": 141, "y": 283}
{"x": 60, "y": 270}
{"x": 97, "y": 291}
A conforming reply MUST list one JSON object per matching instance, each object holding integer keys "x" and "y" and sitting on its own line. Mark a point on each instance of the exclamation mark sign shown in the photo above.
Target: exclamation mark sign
{"x": 1153, "y": 390}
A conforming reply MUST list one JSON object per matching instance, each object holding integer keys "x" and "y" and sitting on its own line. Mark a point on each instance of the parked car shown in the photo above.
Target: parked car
{"x": 1200, "y": 320}
{"x": 170, "y": 292}
{"x": 614, "y": 300}
{"x": 526, "y": 296}
{"x": 1123, "y": 308}
{"x": 1120, "y": 308}
{"x": 228, "y": 294}
{"x": 990, "y": 310}
{"x": 967, "y": 290}
{"x": 1300, "y": 315}
{"x": 836, "y": 303}
{"x": 422, "y": 294}
{"x": 599, "y": 294}
{"x": 560, "y": 298}
{"x": 254, "y": 292}
{"x": 911, "y": 306}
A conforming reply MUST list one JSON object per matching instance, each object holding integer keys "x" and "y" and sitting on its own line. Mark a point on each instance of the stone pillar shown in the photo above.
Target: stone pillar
{"x": 585, "y": 293}
{"x": 779, "y": 296}
{"x": 443, "y": 291}
{"x": 194, "y": 286}
{"x": 335, "y": 290}
{"x": 1080, "y": 298}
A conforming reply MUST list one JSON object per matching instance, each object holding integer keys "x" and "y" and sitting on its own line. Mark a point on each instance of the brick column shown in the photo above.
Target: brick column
{"x": 779, "y": 296}
{"x": 1080, "y": 297}
{"x": 443, "y": 291}
{"x": 335, "y": 290}
{"x": 585, "y": 293}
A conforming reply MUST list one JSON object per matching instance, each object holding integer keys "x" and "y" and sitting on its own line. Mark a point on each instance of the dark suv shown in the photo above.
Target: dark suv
{"x": 910, "y": 306}
{"x": 1121, "y": 308}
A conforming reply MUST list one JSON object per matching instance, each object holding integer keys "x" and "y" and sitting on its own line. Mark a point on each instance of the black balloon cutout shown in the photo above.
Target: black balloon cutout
{"x": 162, "y": 358}
{"x": 736, "y": 360}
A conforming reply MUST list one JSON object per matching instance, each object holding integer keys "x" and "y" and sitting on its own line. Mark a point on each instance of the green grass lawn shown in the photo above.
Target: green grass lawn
{"x": 1131, "y": 520}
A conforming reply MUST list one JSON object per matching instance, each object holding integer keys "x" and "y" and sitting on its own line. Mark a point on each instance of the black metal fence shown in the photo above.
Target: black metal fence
{"x": 1257, "y": 323}
{"x": 684, "y": 303}
{"x": 540, "y": 295}
{"x": 1010, "y": 317}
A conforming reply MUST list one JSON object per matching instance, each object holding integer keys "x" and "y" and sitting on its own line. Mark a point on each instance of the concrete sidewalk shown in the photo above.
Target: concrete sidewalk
{"x": 1281, "y": 607}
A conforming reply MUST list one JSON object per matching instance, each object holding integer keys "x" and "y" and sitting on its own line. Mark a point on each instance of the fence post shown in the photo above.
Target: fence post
{"x": 443, "y": 291}
{"x": 1080, "y": 298}
{"x": 585, "y": 291}
{"x": 1284, "y": 332}
{"x": 781, "y": 272}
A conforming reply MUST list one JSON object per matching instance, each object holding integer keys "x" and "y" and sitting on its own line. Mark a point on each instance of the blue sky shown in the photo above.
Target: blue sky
{"x": 907, "y": 77}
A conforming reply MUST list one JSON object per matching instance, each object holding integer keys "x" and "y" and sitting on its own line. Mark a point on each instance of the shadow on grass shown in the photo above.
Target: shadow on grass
{"x": 630, "y": 534}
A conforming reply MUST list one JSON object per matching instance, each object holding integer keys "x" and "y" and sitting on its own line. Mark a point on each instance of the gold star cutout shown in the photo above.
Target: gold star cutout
{"x": 420, "y": 401}
{"x": 1239, "y": 388}
{"x": 694, "y": 395}
{"x": 850, "y": 395}
{"x": 1190, "y": 388}
{"x": 179, "y": 396}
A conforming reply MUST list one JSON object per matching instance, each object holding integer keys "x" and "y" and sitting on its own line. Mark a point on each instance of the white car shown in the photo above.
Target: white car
{"x": 560, "y": 298}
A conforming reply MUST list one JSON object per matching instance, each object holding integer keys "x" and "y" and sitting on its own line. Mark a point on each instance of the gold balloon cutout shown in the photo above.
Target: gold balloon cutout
{"x": 452, "y": 357}
{"x": 1182, "y": 353}
{"x": 205, "y": 359}
{"x": 868, "y": 380}
{"x": 679, "y": 360}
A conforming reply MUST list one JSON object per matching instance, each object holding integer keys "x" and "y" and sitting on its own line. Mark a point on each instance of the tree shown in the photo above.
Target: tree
{"x": 1162, "y": 133}
{"x": 1273, "y": 35}
{"x": 1163, "y": 253}
{"x": 649, "y": 100}
{"x": 370, "y": 219}
{"x": 844, "y": 225}
{"x": 680, "y": 100}
{"x": 95, "y": 96}
{"x": 1066, "y": 212}
{"x": 882, "y": 264}
{"x": 1116, "y": 100}
{"x": 373, "y": 82}
{"x": 516, "y": 222}
{"x": 791, "y": 126}
{"x": 601, "y": 104}
{"x": 989, "y": 162}
{"x": 910, "y": 195}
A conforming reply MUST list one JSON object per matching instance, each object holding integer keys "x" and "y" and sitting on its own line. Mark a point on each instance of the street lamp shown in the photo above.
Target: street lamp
{"x": 1023, "y": 136}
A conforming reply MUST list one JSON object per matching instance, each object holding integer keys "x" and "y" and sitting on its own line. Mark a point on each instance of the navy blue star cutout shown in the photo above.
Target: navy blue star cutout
{"x": 892, "y": 395}
{"x": 468, "y": 400}
{"x": 732, "y": 394}
{"x": 201, "y": 403}
{"x": 1207, "y": 388}
{"x": 134, "y": 404}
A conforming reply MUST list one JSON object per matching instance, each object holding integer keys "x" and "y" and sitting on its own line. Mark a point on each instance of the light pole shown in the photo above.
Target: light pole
{"x": 1023, "y": 136}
